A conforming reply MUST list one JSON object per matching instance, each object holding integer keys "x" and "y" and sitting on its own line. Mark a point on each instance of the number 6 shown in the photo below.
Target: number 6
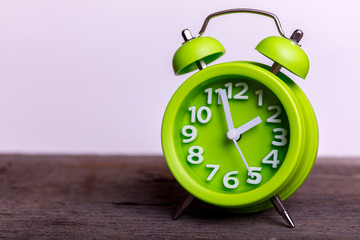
{"x": 227, "y": 179}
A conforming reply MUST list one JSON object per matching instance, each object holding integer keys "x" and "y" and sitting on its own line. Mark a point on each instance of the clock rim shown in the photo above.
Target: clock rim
{"x": 280, "y": 178}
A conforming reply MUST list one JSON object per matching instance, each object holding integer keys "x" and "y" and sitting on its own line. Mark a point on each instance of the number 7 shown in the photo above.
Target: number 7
{"x": 215, "y": 169}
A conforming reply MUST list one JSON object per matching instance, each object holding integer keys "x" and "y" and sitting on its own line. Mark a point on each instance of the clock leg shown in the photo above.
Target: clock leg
{"x": 184, "y": 204}
{"x": 280, "y": 208}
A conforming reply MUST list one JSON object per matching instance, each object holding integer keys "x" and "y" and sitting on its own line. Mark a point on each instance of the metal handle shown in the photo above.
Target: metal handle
{"x": 242, "y": 10}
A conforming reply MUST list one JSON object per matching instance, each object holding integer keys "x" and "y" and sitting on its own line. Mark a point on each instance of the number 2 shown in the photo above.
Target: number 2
{"x": 273, "y": 118}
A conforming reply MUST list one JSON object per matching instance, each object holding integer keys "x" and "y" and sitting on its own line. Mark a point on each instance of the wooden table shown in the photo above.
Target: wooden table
{"x": 134, "y": 197}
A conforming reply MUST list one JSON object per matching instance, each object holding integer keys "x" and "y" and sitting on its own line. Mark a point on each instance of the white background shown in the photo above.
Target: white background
{"x": 82, "y": 76}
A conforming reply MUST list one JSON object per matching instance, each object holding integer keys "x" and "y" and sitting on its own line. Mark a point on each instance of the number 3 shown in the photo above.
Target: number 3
{"x": 281, "y": 137}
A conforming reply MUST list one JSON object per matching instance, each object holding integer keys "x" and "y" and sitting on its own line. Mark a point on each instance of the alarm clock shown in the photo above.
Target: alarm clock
{"x": 240, "y": 135}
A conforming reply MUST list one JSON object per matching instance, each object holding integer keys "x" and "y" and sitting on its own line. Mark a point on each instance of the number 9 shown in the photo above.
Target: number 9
{"x": 190, "y": 135}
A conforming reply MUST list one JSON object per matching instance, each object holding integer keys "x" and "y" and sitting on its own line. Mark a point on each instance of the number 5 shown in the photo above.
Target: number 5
{"x": 256, "y": 176}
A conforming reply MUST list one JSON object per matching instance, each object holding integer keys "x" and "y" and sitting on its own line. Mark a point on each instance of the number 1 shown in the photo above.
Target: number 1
{"x": 209, "y": 95}
{"x": 260, "y": 97}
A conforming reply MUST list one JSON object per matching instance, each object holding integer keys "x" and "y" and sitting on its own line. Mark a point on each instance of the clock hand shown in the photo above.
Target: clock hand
{"x": 247, "y": 126}
{"x": 226, "y": 107}
{"x": 231, "y": 133}
{"x": 242, "y": 157}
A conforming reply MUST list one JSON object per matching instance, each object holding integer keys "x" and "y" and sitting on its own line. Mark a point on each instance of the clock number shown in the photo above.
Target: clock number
{"x": 189, "y": 132}
{"x": 209, "y": 95}
{"x": 260, "y": 97}
{"x": 193, "y": 114}
{"x": 199, "y": 114}
{"x": 281, "y": 137}
{"x": 217, "y": 91}
{"x": 195, "y": 155}
{"x": 256, "y": 177}
{"x": 215, "y": 169}
{"x": 229, "y": 89}
{"x": 231, "y": 182}
{"x": 273, "y": 118}
{"x": 274, "y": 161}
{"x": 208, "y": 91}
{"x": 241, "y": 95}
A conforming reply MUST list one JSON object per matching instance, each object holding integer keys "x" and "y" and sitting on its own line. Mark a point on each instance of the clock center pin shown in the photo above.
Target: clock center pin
{"x": 231, "y": 134}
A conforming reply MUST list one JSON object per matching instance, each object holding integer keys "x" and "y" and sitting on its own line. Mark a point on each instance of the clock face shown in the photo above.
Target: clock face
{"x": 214, "y": 160}
{"x": 231, "y": 135}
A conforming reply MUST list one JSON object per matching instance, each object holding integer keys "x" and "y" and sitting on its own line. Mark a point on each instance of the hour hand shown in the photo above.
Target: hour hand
{"x": 247, "y": 126}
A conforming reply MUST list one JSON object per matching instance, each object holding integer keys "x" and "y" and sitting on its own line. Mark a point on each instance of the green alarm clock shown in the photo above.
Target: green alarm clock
{"x": 240, "y": 135}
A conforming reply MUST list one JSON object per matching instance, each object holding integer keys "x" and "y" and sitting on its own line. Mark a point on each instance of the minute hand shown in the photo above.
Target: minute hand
{"x": 226, "y": 107}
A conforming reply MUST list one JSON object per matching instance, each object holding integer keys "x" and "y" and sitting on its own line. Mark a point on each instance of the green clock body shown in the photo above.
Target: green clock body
{"x": 280, "y": 150}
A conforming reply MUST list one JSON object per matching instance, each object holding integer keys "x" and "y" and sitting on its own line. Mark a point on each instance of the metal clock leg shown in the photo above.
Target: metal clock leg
{"x": 186, "y": 34}
{"x": 276, "y": 200}
{"x": 280, "y": 208}
{"x": 184, "y": 204}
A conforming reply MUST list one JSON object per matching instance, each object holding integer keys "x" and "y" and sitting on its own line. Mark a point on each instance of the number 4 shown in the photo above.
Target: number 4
{"x": 274, "y": 161}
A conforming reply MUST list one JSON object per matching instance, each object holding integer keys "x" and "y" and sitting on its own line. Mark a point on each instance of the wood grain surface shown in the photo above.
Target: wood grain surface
{"x": 134, "y": 197}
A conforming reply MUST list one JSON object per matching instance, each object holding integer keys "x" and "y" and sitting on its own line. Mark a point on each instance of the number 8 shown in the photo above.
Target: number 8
{"x": 195, "y": 152}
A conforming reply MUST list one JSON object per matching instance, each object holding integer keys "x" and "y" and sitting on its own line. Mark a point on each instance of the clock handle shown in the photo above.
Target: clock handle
{"x": 242, "y": 10}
